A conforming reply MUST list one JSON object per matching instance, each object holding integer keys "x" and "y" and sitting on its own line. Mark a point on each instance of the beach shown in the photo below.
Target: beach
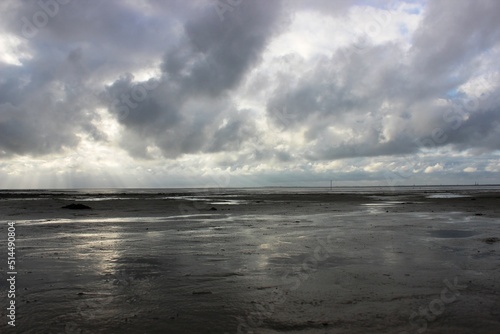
{"x": 249, "y": 261}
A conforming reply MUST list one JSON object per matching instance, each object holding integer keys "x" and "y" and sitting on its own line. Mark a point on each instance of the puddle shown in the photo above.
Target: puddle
{"x": 229, "y": 202}
{"x": 188, "y": 198}
{"x": 385, "y": 203}
{"x": 96, "y": 199}
{"x": 452, "y": 234}
{"x": 447, "y": 195}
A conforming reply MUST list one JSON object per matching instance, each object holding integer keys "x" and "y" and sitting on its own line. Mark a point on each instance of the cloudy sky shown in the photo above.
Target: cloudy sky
{"x": 176, "y": 93}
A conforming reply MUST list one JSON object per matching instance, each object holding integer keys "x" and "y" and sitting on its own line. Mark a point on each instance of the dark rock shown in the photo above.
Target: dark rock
{"x": 213, "y": 209}
{"x": 491, "y": 240}
{"x": 77, "y": 206}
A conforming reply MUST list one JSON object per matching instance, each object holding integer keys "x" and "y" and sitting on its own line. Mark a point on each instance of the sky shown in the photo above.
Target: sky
{"x": 248, "y": 93}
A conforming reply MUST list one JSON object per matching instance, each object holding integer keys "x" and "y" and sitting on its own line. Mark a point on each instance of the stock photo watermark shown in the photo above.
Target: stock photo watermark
{"x": 420, "y": 320}
{"x": 282, "y": 118}
{"x": 362, "y": 33}
{"x": 221, "y": 7}
{"x": 41, "y": 18}
{"x": 11, "y": 273}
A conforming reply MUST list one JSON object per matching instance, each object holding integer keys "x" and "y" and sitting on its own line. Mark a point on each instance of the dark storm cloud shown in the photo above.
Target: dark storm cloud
{"x": 447, "y": 51}
{"x": 348, "y": 94}
{"x": 176, "y": 123}
{"x": 191, "y": 110}
{"x": 43, "y": 104}
{"x": 332, "y": 89}
{"x": 474, "y": 126}
{"x": 323, "y": 6}
{"x": 50, "y": 98}
{"x": 381, "y": 101}
{"x": 385, "y": 106}
{"x": 223, "y": 51}
{"x": 110, "y": 27}
{"x": 452, "y": 34}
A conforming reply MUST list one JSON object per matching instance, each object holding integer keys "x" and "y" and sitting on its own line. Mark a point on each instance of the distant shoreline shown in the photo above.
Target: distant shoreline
{"x": 152, "y": 189}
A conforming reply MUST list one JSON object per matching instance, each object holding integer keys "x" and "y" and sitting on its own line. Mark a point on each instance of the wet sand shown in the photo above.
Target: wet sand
{"x": 249, "y": 262}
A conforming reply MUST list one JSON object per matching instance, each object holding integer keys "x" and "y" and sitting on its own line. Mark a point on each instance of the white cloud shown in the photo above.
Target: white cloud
{"x": 432, "y": 169}
{"x": 470, "y": 169}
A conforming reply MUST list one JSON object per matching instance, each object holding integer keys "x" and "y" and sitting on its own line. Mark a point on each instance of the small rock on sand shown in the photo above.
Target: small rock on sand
{"x": 77, "y": 206}
{"x": 491, "y": 240}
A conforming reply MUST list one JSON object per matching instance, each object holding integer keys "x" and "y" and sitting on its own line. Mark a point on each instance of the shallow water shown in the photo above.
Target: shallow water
{"x": 447, "y": 195}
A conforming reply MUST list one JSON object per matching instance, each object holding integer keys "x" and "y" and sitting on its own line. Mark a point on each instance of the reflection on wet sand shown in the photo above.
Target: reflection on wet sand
{"x": 290, "y": 264}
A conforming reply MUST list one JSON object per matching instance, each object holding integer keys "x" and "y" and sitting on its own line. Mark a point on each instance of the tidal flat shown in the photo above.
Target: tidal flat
{"x": 250, "y": 261}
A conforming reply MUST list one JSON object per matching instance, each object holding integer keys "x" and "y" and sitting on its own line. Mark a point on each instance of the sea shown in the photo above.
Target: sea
{"x": 102, "y": 194}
